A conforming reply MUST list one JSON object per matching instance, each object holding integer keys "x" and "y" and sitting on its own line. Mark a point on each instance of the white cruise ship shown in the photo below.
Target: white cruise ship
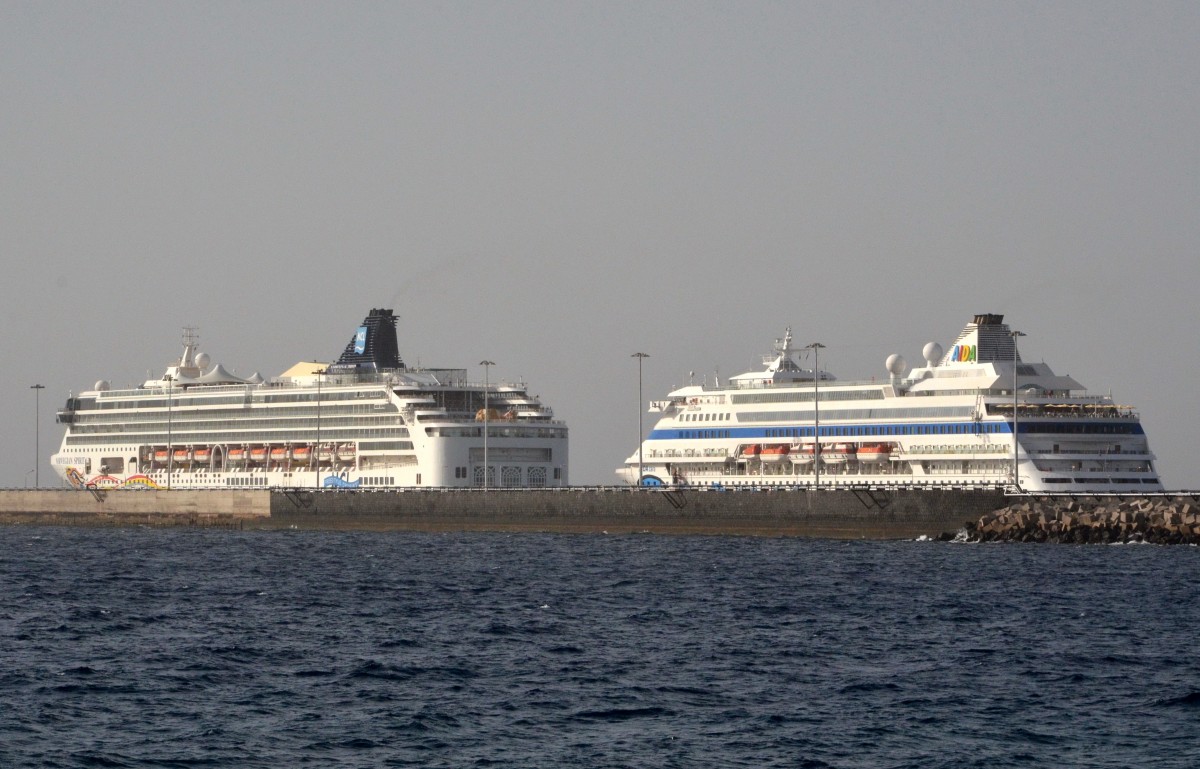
{"x": 949, "y": 423}
{"x": 366, "y": 421}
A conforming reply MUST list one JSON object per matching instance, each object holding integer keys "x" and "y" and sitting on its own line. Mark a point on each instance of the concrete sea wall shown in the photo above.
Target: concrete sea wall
{"x": 827, "y": 514}
{"x": 145, "y": 507}
{"x": 840, "y": 514}
{"x": 983, "y": 514}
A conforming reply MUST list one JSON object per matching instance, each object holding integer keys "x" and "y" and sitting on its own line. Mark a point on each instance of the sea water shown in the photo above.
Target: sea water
{"x": 153, "y": 648}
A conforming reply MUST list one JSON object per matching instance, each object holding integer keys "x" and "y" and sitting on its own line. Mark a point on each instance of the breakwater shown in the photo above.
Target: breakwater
{"x": 1163, "y": 520}
{"x": 982, "y": 514}
{"x": 824, "y": 513}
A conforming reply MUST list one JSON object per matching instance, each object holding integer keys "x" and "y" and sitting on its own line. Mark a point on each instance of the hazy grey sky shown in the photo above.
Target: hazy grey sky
{"x": 554, "y": 186}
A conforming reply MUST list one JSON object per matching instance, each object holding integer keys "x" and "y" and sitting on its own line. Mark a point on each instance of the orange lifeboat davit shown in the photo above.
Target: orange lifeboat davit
{"x": 774, "y": 453}
{"x": 873, "y": 453}
{"x": 838, "y": 454}
{"x": 803, "y": 455}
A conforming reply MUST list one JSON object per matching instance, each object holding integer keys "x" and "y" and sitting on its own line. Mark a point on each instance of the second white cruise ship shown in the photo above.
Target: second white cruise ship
{"x": 366, "y": 421}
{"x": 976, "y": 416}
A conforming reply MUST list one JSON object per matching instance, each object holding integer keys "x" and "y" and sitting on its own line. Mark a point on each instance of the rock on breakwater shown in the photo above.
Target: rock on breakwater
{"x": 1102, "y": 520}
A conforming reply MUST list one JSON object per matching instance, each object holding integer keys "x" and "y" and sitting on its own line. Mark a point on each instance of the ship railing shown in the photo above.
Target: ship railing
{"x": 688, "y": 453}
{"x": 1092, "y": 452}
{"x": 1005, "y": 487}
{"x": 980, "y": 448}
{"x": 1064, "y": 411}
{"x": 697, "y": 487}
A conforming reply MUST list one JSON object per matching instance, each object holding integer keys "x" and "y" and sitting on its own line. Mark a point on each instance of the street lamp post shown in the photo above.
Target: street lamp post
{"x": 816, "y": 347}
{"x": 641, "y": 437}
{"x": 1016, "y": 478}
{"x": 316, "y": 450}
{"x": 170, "y": 448}
{"x": 487, "y": 364}
{"x": 37, "y": 433}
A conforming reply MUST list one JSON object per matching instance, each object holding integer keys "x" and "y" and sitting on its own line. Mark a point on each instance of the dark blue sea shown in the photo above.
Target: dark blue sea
{"x": 181, "y": 648}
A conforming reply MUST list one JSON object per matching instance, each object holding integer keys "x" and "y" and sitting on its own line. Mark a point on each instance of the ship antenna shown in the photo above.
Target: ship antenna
{"x": 191, "y": 338}
{"x": 785, "y": 345}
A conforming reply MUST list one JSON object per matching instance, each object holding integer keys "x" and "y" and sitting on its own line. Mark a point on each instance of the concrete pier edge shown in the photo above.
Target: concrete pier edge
{"x": 862, "y": 513}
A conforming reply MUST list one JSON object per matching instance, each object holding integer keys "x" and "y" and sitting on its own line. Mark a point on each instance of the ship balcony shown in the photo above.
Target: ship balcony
{"x": 434, "y": 413}
{"x": 522, "y": 415}
{"x": 699, "y": 455}
{"x": 932, "y": 451}
{"x": 1094, "y": 453}
{"x": 1027, "y": 410}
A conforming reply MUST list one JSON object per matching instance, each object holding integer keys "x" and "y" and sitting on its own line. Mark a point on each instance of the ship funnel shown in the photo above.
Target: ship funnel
{"x": 373, "y": 347}
{"x": 985, "y": 339}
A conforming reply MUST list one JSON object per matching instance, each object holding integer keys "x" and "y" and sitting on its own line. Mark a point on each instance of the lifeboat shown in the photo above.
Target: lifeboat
{"x": 202, "y": 454}
{"x": 301, "y": 453}
{"x": 325, "y": 453}
{"x": 182, "y": 456}
{"x": 160, "y": 456}
{"x": 803, "y": 455}
{"x": 774, "y": 453}
{"x": 279, "y": 454}
{"x": 258, "y": 454}
{"x": 751, "y": 451}
{"x": 838, "y": 453}
{"x": 237, "y": 456}
{"x": 346, "y": 452}
{"x": 872, "y": 453}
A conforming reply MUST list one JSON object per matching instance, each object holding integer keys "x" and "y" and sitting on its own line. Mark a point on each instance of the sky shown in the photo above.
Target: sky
{"x": 555, "y": 186}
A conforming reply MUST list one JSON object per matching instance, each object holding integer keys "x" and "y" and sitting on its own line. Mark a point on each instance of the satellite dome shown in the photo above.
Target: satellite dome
{"x": 102, "y": 385}
{"x": 202, "y": 360}
{"x": 896, "y": 365}
{"x": 932, "y": 353}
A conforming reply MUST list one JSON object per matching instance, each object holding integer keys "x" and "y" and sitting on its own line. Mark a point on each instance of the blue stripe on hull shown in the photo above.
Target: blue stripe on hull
{"x": 884, "y": 431}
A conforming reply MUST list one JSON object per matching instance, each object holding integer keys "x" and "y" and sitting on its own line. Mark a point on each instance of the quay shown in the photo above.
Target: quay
{"x": 987, "y": 514}
{"x": 875, "y": 514}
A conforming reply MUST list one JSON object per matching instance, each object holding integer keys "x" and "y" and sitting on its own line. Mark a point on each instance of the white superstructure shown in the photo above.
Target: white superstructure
{"x": 367, "y": 421}
{"x": 949, "y": 423}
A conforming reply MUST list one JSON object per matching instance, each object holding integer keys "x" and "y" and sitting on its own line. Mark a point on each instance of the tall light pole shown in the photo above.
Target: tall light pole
{"x": 487, "y": 364}
{"x": 1016, "y": 478}
{"x": 641, "y": 437}
{"x": 316, "y": 450}
{"x": 170, "y": 448}
{"x": 37, "y": 433}
{"x": 816, "y": 347}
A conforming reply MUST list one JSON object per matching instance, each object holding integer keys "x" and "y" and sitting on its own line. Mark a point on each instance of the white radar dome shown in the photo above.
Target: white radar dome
{"x": 102, "y": 385}
{"x": 896, "y": 365}
{"x": 202, "y": 360}
{"x": 932, "y": 353}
